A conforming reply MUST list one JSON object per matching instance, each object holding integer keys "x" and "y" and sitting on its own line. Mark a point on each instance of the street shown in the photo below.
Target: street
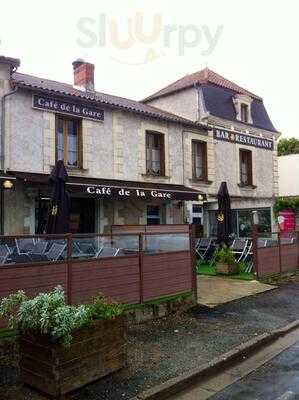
{"x": 276, "y": 380}
{"x": 270, "y": 374}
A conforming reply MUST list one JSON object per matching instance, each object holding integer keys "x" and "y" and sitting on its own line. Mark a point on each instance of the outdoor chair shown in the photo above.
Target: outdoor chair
{"x": 239, "y": 248}
{"x": 86, "y": 248}
{"x": 24, "y": 245}
{"x": 40, "y": 247}
{"x": 287, "y": 240}
{"x": 4, "y": 253}
{"x": 108, "y": 252}
{"x": 202, "y": 247}
{"x": 53, "y": 254}
{"x": 248, "y": 257}
{"x": 262, "y": 242}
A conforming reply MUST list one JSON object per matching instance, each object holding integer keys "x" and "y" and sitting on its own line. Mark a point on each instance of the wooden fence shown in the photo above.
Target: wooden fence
{"x": 133, "y": 278}
{"x": 166, "y": 228}
{"x": 275, "y": 253}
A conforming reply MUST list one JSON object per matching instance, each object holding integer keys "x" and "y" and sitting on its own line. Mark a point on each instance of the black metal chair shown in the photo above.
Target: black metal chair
{"x": 4, "y": 253}
{"x": 25, "y": 245}
{"x": 239, "y": 248}
{"x": 202, "y": 247}
{"x": 107, "y": 252}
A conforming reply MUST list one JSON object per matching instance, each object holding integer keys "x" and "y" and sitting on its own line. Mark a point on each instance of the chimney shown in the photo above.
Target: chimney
{"x": 83, "y": 75}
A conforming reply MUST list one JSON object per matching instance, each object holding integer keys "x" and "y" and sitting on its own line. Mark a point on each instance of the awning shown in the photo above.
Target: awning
{"x": 110, "y": 188}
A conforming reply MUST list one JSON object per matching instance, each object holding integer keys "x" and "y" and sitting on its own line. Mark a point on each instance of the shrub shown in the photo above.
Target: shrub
{"x": 48, "y": 314}
{"x": 225, "y": 255}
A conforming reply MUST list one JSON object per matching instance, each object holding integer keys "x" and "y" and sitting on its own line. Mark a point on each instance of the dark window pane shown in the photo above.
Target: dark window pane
{"x": 196, "y": 208}
{"x": 153, "y": 215}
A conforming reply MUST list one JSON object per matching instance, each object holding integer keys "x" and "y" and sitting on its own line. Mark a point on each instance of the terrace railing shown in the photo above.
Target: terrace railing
{"x": 130, "y": 268}
{"x": 275, "y": 252}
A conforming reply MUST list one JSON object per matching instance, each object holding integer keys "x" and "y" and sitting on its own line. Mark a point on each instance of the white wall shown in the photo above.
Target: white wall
{"x": 288, "y": 175}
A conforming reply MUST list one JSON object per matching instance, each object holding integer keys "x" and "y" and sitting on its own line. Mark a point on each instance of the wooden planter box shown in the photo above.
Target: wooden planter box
{"x": 227, "y": 269}
{"x": 95, "y": 351}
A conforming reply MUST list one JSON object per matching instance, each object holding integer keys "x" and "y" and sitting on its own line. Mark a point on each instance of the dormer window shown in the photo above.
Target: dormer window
{"x": 244, "y": 112}
{"x": 243, "y": 108}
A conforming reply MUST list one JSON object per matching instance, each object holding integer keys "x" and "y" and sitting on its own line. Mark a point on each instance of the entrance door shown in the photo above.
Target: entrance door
{"x": 155, "y": 214}
{"x": 82, "y": 215}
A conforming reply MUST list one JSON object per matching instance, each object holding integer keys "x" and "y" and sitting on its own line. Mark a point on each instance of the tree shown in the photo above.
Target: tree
{"x": 288, "y": 146}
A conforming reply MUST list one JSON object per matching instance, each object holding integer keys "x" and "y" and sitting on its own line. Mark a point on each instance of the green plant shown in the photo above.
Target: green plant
{"x": 288, "y": 146}
{"x": 281, "y": 204}
{"x": 225, "y": 255}
{"x": 48, "y": 314}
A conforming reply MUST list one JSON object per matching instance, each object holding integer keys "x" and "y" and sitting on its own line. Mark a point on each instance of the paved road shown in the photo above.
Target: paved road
{"x": 276, "y": 380}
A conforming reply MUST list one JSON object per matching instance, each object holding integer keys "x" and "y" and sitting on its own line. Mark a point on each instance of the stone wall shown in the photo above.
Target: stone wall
{"x": 183, "y": 103}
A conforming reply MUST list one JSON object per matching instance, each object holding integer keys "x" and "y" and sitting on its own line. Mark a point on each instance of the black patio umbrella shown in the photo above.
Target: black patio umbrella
{"x": 223, "y": 215}
{"x": 59, "y": 212}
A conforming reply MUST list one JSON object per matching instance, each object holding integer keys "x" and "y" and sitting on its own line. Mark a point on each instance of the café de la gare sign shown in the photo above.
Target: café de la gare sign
{"x": 67, "y": 107}
{"x": 240, "y": 138}
{"x": 125, "y": 192}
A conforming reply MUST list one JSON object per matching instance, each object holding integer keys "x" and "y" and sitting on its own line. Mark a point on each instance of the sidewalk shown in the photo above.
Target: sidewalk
{"x": 173, "y": 346}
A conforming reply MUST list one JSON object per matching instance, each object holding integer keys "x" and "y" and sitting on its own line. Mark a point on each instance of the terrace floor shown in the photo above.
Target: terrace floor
{"x": 216, "y": 290}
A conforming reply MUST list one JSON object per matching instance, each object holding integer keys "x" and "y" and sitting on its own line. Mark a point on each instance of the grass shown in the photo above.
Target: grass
{"x": 209, "y": 270}
{"x": 4, "y": 333}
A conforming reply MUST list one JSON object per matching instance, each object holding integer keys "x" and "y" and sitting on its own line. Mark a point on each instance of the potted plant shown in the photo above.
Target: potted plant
{"x": 64, "y": 347}
{"x": 225, "y": 262}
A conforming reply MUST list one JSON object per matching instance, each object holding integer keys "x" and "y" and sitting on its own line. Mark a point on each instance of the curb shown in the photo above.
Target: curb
{"x": 175, "y": 385}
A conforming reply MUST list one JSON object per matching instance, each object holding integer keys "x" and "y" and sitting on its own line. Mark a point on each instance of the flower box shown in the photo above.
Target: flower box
{"x": 227, "y": 268}
{"x": 95, "y": 351}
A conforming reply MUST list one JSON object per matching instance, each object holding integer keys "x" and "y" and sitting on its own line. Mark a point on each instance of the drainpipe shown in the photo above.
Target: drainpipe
{"x": 3, "y": 168}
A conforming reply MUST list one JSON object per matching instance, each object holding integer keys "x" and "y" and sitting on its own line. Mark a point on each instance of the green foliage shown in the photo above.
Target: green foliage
{"x": 101, "y": 308}
{"x": 225, "y": 255}
{"x": 288, "y": 146}
{"x": 48, "y": 314}
{"x": 287, "y": 203}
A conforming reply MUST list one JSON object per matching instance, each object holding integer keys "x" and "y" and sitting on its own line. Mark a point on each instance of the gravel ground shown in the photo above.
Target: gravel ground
{"x": 164, "y": 349}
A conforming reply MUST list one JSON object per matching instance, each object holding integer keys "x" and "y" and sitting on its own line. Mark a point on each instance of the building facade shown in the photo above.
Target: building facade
{"x": 241, "y": 147}
{"x": 152, "y": 162}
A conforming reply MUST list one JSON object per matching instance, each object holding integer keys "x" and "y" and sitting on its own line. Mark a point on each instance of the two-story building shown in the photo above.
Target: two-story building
{"x": 240, "y": 148}
{"x": 130, "y": 162}
{"x": 124, "y": 158}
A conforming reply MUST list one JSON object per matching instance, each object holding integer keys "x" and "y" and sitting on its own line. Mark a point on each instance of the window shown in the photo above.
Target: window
{"x": 199, "y": 156}
{"x": 245, "y": 167}
{"x": 196, "y": 209}
{"x": 241, "y": 222}
{"x": 244, "y": 113}
{"x": 153, "y": 215}
{"x": 155, "y": 154}
{"x": 68, "y": 141}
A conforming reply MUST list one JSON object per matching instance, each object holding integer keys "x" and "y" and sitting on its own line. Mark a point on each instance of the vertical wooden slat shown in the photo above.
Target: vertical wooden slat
{"x": 279, "y": 252}
{"x": 141, "y": 266}
{"x": 255, "y": 250}
{"x": 69, "y": 267}
{"x": 193, "y": 259}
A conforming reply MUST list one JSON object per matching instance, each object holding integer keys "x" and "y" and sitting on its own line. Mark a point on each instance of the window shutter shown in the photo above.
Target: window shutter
{"x": 162, "y": 154}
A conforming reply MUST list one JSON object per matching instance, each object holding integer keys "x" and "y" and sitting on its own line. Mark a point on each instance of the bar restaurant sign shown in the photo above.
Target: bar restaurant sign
{"x": 67, "y": 107}
{"x": 240, "y": 138}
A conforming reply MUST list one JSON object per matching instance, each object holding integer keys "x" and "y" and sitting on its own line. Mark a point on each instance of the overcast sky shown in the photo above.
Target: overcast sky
{"x": 140, "y": 46}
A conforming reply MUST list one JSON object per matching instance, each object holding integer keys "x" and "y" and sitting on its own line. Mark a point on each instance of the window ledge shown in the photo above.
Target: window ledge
{"x": 200, "y": 181}
{"x": 155, "y": 176}
{"x": 246, "y": 187}
{"x": 73, "y": 169}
